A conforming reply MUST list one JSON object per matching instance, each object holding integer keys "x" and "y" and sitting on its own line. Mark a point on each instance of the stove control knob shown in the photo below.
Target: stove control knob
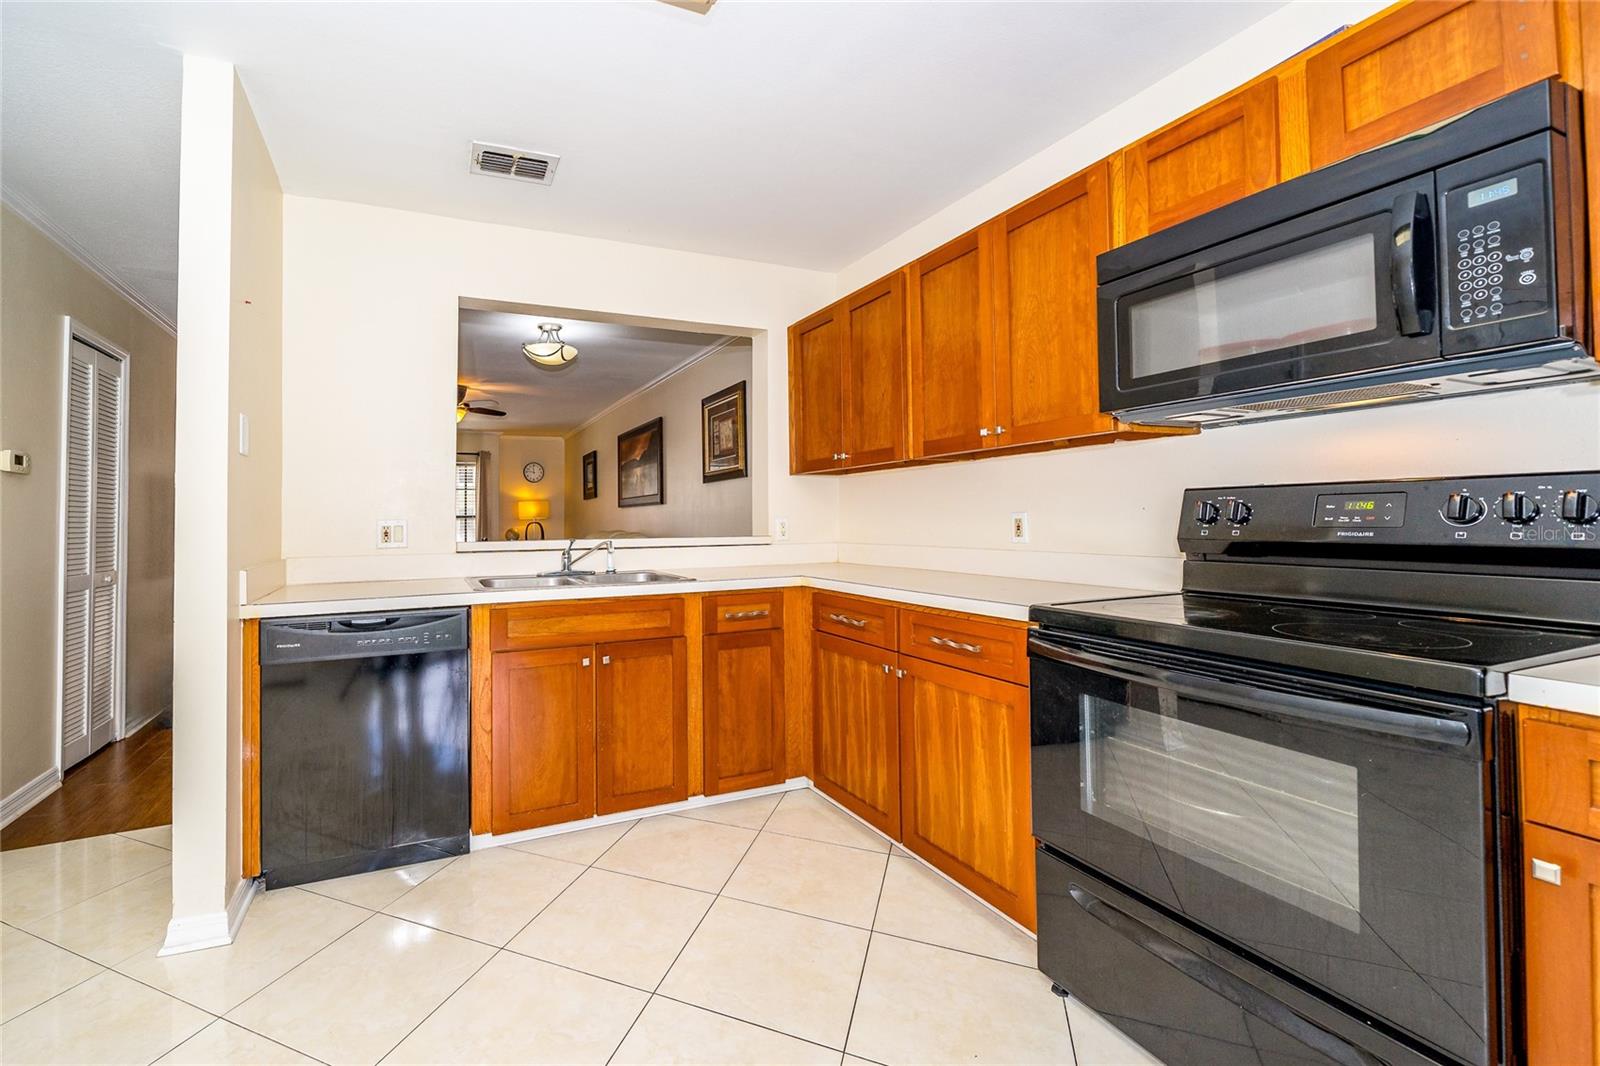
{"x": 1462, "y": 509}
{"x": 1579, "y": 507}
{"x": 1238, "y": 512}
{"x": 1206, "y": 513}
{"x": 1516, "y": 508}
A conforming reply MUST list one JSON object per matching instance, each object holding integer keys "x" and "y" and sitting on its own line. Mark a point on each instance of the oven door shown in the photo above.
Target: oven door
{"x": 1347, "y": 288}
{"x": 1339, "y": 836}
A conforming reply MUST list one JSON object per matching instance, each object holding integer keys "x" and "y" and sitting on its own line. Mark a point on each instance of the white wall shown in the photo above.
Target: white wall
{"x": 1109, "y": 513}
{"x": 693, "y": 507}
{"x": 370, "y": 310}
{"x": 227, "y": 518}
{"x": 43, "y": 285}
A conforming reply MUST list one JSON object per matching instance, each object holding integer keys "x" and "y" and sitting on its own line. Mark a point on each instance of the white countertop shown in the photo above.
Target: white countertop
{"x": 997, "y": 597}
{"x": 1570, "y": 686}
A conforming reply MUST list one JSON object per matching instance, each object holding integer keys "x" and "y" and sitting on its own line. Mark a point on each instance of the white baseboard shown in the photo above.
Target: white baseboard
{"x": 22, "y": 800}
{"x": 495, "y": 840}
{"x": 212, "y": 930}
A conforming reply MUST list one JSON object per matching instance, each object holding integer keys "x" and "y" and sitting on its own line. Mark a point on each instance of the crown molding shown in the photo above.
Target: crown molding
{"x": 29, "y": 212}
{"x": 704, "y": 353}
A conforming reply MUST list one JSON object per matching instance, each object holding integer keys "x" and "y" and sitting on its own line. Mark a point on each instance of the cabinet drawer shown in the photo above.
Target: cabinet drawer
{"x": 846, "y": 616}
{"x": 739, "y": 612}
{"x": 1561, "y": 776}
{"x": 553, "y": 625}
{"x": 989, "y": 648}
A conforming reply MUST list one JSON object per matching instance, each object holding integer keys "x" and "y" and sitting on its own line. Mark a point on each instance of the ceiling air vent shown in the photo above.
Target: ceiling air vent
{"x": 502, "y": 161}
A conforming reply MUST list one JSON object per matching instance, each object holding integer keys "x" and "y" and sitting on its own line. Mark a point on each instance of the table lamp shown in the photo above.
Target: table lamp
{"x": 529, "y": 513}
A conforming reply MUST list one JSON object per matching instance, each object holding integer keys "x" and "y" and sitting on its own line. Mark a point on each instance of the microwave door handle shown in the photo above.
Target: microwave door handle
{"x": 1411, "y": 264}
{"x": 1240, "y": 993}
{"x": 1268, "y": 701}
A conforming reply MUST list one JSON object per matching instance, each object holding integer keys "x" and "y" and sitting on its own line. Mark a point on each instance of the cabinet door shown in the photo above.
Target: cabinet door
{"x": 543, "y": 739}
{"x": 1047, "y": 374}
{"x": 642, "y": 724}
{"x": 856, "y": 757}
{"x": 816, "y": 391}
{"x": 1562, "y": 929}
{"x": 952, "y": 366}
{"x": 1420, "y": 64}
{"x": 965, "y": 800}
{"x": 1217, "y": 155}
{"x": 744, "y": 722}
{"x": 874, "y": 391}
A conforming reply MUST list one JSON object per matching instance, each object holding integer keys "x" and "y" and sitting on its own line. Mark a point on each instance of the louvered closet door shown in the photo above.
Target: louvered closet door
{"x": 91, "y": 673}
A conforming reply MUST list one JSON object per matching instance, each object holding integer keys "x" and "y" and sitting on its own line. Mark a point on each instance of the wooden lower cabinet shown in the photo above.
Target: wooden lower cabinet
{"x": 641, "y": 715}
{"x": 856, "y": 759}
{"x": 543, "y": 737}
{"x": 1562, "y": 947}
{"x": 744, "y": 711}
{"x": 965, "y": 804}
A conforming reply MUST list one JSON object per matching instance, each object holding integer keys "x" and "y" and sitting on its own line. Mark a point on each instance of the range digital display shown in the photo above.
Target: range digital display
{"x": 1373, "y": 509}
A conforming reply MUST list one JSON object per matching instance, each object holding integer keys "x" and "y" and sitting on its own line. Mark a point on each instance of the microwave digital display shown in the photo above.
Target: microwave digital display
{"x": 1490, "y": 193}
{"x": 1372, "y": 509}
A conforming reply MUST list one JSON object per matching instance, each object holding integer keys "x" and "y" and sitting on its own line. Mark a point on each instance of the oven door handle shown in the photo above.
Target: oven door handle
{"x": 1286, "y": 704}
{"x": 1240, "y": 993}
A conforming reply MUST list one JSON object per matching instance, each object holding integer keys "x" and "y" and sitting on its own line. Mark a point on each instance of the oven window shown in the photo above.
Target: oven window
{"x": 1279, "y": 820}
{"x": 1326, "y": 292}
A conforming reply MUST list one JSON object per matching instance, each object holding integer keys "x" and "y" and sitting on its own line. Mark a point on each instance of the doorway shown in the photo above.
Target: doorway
{"x": 93, "y": 547}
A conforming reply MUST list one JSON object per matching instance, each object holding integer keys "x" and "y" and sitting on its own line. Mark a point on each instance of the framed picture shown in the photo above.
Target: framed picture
{"x": 723, "y": 435}
{"x": 641, "y": 475}
{"x": 591, "y": 475}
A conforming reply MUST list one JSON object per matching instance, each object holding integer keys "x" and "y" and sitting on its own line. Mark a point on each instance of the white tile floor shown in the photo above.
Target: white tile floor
{"x": 769, "y": 930}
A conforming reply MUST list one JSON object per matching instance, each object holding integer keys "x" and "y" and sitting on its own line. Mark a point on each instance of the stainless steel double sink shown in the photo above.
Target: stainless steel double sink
{"x": 575, "y": 581}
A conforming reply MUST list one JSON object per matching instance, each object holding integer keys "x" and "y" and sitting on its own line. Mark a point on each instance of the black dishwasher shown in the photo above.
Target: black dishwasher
{"x": 363, "y": 743}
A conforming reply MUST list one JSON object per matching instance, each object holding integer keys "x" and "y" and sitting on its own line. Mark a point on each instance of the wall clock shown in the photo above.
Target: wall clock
{"x": 534, "y": 472}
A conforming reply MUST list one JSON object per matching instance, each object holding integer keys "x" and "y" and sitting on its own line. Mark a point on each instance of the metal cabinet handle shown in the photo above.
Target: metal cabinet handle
{"x": 605, "y": 660}
{"x": 899, "y": 673}
{"x": 844, "y": 455}
{"x": 1547, "y": 871}
{"x": 836, "y": 456}
{"x": 887, "y": 668}
{"x": 956, "y": 645}
{"x": 585, "y": 660}
{"x": 999, "y": 430}
{"x": 983, "y": 431}
{"x": 741, "y": 616}
{"x": 859, "y": 623}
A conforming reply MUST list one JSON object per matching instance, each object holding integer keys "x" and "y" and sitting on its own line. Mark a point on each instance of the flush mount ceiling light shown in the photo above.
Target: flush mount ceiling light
{"x": 550, "y": 350}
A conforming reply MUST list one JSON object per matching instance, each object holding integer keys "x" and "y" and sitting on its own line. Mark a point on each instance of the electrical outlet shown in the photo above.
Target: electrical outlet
{"x": 781, "y": 529}
{"x": 1019, "y": 527}
{"x": 391, "y": 533}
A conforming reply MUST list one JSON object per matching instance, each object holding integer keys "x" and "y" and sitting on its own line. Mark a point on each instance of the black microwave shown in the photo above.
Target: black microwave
{"x": 1448, "y": 262}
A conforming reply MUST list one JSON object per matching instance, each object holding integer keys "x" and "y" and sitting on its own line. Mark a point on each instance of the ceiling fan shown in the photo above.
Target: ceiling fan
{"x": 476, "y": 407}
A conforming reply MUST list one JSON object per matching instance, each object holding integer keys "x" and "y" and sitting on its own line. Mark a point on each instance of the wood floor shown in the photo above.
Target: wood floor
{"x": 126, "y": 785}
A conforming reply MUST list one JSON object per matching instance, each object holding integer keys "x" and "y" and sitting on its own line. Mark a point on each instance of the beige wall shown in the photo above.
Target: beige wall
{"x": 371, "y": 305}
{"x": 39, "y": 285}
{"x": 509, "y": 453}
{"x": 230, "y": 279}
{"x": 692, "y": 507}
{"x": 1110, "y": 513}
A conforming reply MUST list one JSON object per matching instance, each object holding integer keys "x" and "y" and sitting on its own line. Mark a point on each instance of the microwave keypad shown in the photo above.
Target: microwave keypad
{"x": 1495, "y": 240}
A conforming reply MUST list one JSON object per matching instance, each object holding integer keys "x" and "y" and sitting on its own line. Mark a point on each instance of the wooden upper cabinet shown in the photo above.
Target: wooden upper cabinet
{"x": 1421, "y": 63}
{"x": 965, "y": 795}
{"x": 641, "y": 724}
{"x": 744, "y": 710}
{"x": 856, "y": 758}
{"x": 816, "y": 390}
{"x": 875, "y": 375}
{"x": 952, "y": 361}
{"x": 542, "y": 705}
{"x": 1047, "y": 380}
{"x": 1219, "y": 154}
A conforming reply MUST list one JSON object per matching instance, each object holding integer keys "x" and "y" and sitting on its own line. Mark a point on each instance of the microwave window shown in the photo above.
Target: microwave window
{"x": 1327, "y": 292}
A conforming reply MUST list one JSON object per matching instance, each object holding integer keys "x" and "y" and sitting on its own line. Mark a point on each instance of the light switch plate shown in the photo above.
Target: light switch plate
{"x": 15, "y": 462}
{"x": 391, "y": 533}
{"x": 1019, "y": 527}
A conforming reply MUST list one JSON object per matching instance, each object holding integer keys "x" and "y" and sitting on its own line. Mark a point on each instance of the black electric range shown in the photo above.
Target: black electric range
{"x": 1272, "y": 822}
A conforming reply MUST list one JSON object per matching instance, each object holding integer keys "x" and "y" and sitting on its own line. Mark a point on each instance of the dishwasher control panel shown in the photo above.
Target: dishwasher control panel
{"x": 356, "y": 636}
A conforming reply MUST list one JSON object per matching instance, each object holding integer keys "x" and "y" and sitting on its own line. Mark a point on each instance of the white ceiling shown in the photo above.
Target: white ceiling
{"x": 613, "y": 361}
{"x": 801, "y": 133}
